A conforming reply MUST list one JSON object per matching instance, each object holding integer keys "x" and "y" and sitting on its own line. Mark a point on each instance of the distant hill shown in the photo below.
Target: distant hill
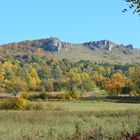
{"x": 99, "y": 51}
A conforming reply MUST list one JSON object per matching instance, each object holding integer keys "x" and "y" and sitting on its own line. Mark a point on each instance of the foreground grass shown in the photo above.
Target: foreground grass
{"x": 62, "y": 120}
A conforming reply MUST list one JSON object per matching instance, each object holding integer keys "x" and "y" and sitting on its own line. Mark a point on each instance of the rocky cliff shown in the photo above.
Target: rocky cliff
{"x": 98, "y": 51}
{"x": 49, "y": 44}
{"x": 106, "y": 44}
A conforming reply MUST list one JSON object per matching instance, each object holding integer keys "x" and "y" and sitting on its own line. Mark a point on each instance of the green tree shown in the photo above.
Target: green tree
{"x": 74, "y": 79}
{"x": 133, "y": 4}
{"x": 87, "y": 83}
{"x": 134, "y": 74}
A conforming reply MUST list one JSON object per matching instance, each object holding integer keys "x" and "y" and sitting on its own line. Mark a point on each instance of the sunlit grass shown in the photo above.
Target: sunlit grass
{"x": 60, "y": 124}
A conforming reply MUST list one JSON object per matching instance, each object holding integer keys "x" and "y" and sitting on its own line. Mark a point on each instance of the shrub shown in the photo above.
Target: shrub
{"x": 50, "y": 106}
{"x": 16, "y": 103}
{"x": 62, "y": 96}
{"x": 39, "y": 106}
{"x": 34, "y": 96}
{"x": 25, "y": 95}
{"x": 75, "y": 94}
{"x": 43, "y": 95}
{"x": 59, "y": 108}
{"x": 78, "y": 128}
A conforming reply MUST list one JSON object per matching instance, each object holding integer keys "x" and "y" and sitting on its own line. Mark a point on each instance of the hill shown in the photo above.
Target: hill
{"x": 99, "y": 51}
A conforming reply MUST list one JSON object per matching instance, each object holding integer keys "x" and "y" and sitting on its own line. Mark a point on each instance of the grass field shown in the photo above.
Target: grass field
{"x": 62, "y": 120}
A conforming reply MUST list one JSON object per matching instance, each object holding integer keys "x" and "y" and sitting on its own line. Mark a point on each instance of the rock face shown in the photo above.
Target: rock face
{"x": 106, "y": 45}
{"x": 98, "y": 51}
{"x": 103, "y": 44}
{"x": 54, "y": 44}
{"x": 130, "y": 46}
{"x": 49, "y": 44}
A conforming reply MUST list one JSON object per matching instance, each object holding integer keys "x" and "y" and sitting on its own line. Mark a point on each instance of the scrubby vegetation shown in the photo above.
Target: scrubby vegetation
{"x": 17, "y": 103}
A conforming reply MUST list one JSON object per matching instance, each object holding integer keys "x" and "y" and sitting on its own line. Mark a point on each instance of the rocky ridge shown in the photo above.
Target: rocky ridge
{"x": 49, "y": 44}
{"x": 106, "y": 44}
{"x": 98, "y": 51}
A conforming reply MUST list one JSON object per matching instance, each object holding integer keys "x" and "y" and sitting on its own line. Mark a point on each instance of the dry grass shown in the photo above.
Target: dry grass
{"x": 59, "y": 120}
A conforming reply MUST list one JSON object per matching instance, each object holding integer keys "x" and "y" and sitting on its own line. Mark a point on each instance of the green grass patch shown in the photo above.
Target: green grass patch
{"x": 61, "y": 119}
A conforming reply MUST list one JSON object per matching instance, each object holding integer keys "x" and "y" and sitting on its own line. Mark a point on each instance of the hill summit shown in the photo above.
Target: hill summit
{"x": 103, "y": 50}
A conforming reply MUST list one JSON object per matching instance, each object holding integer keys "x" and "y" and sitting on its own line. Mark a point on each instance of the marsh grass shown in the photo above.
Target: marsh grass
{"x": 76, "y": 120}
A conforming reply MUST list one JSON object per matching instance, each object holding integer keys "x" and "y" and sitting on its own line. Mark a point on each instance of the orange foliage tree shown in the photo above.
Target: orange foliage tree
{"x": 114, "y": 85}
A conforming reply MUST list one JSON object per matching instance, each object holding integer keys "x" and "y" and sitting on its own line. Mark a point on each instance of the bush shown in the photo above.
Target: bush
{"x": 62, "y": 96}
{"x": 25, "y": 95}
{"x": 65, "y": 96}
{"x": 75, "y": 94}
{"x": 43, "y": 95}
{"x": 39, "y": 106}
{"x": 50, "y": 106}
{"x": 16, "y": 103}
{"x": 34, "y": 96}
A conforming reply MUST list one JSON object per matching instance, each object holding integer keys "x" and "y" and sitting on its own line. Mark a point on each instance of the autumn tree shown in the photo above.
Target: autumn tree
{"x": 44, "y": 72}
{"x": 134, "y": 74}
{"x": 87, "y": 83}
{"x": 34, "y": 80}
{"x": 9, "y": 70}
{"x": 74, "y": 79}
{"x": 56, "y": 72}
{"x": 98, "y": 78}
{"x": 1, "y": 79}
{"x": 15, "y": 85}
{"x": 114, "y": 85}
{"x": 47, "y": 85}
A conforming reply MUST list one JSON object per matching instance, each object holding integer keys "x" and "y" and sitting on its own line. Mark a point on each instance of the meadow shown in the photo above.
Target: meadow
{"x": 71, "y": 120}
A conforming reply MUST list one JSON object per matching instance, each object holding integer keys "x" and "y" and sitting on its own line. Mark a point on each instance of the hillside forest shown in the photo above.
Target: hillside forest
{"x": 36, "y": 74}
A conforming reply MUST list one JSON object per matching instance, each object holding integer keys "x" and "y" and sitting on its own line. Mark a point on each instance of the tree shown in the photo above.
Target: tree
{"x": 87, "y": 83}
{"x": 98, "y": 78}
{"x": 9, "y": 69}
{"x": 134, "y": 74}
{"x": 101, "y": 70}
{"x": 126, "y": 90}
{"x": 133, "y": 4}
{"x": 15, "y": 85}
{"x": 47, "y": 85}
{"x": 114, "y": 85}
{"x": 74, "y": 79}
{"x": 1, "y": 79}
{"x": 44, "y": 73}
{"x": 56, "y": 72}
{"x": 34, "y": 80}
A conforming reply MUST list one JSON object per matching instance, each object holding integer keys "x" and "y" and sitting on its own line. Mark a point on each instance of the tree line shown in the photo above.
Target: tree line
{"x": 34, "y": 73}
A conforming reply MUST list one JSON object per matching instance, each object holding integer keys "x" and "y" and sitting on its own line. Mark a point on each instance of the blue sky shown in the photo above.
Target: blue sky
{"x": 74, "y": 21}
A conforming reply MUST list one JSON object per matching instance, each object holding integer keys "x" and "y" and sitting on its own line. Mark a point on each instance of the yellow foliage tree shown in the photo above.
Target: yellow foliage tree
{"x": 34, "y": 80}
{"x": 1, "y": 79}
{"x": 134, "y": 74}
{"x": 74, "y": 79}
{"x": 9, "y": 65}
{"x": 15, "y": 85}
